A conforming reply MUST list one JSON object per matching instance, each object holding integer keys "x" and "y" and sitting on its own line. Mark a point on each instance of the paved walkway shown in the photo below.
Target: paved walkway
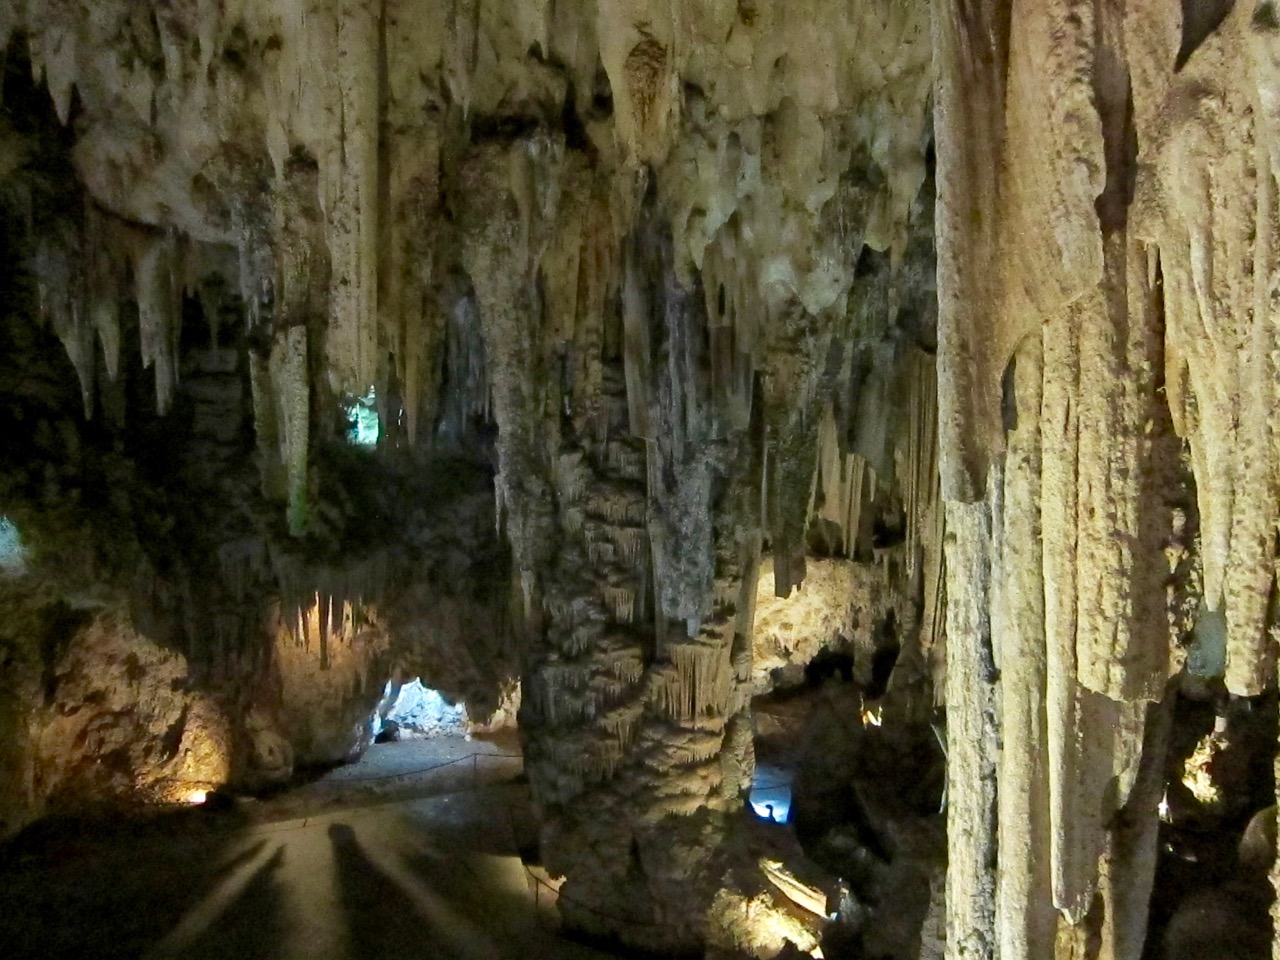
{"x": 358, "y": 876}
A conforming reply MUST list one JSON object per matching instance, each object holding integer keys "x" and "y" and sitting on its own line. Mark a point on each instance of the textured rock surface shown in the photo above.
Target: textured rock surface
{"x": 1104, "y": 391}
{"x": 839, "y": 608}
{"x": 541, "y": 218}
{"x": 641, "y": 292}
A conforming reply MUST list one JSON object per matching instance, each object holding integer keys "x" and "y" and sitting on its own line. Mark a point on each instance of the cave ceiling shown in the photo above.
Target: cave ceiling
{"x": 522, "y": 343}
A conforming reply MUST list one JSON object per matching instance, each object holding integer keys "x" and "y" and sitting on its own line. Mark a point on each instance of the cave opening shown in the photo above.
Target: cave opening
{"x": 419, "y": 713}
{"x": 411, "y": 710}
{"x": 848, "y": 785}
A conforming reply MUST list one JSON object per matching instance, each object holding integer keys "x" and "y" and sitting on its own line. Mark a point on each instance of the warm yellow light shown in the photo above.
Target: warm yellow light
{"x": 197, "y": 796}
{"x": 1197, "y": 771}
{"x": 871, "y": 716}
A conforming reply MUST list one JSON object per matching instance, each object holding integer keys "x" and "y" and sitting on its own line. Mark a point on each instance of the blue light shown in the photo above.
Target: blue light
{"x": 362, "y": 415}
{"x": 1208, "y": 654}
{"x": 771, "y": 793}
{"x": 13, "y": 555}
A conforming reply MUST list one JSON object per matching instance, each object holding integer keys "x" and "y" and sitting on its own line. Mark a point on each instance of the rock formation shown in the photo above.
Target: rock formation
{"x": 640, "y": 305}
{"x": 1106, "y": 205}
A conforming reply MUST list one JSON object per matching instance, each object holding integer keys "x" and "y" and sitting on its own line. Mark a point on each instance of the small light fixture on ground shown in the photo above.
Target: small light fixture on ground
{"x": 197, "y": 797}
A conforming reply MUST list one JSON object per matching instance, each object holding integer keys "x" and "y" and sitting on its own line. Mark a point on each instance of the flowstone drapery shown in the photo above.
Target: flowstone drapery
{"x": 1106, "y": 330}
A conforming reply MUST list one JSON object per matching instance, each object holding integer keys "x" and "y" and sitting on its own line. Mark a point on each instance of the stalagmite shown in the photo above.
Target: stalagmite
{"x": 1129, "y": 874}
{"x": 290, "y": 389}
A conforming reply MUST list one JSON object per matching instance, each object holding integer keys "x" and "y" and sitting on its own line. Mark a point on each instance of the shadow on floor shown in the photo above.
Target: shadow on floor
{"x": 383, "y": 919}
{"x": 120, "y": 905}
{"x": 437, "y": 878}
{"x": 250, "y": 927}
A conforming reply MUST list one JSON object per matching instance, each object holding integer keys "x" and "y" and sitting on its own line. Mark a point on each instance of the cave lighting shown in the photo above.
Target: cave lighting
{"x": 13, "y": 554}
{"x": 421, "y": 713}
{"x": 1197, "y": 771}
{"x": 771, "y": 793}
{"x": 872, "y": 717}
{"x": 362, "y": 415}
{"x": 774, "y": 927}
{"x": 204, "y": 760}
{"x": 1164, "y": 807}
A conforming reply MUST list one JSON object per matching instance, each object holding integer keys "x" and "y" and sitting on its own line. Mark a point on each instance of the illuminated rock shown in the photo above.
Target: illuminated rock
{"x": 619, "y": 298}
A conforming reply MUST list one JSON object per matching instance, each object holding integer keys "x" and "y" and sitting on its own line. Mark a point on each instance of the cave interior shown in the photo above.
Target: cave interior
{"x": 727, "y": 479}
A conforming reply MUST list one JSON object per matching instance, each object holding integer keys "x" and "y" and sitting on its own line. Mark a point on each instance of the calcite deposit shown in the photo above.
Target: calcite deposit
{"x": 1106, "y": 410}
{"x": 631, "y": 351}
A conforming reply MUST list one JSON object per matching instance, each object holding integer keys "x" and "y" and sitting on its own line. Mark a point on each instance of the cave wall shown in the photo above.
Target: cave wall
{"x": 161, "y": 630}
{"x": 657, "y": 280}
{"x": 667, "y": 267}
{"x": 1106, "y": 279}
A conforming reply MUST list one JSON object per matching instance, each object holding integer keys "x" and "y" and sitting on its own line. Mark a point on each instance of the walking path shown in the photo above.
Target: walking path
{"x": 348, "y": 867}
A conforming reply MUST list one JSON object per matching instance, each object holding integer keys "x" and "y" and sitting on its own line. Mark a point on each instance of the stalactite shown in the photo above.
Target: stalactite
{"x": 349, "y": 185}
{"x": 843, "y": 483}
{"x": 54, "y": 57}
{"x": 159, "y": 296}
{"x": 410, "y": 316}
{"x": 60, "y": 300}
{"x": 105, "y": 315}
{"x": 1210, "y": 204}
{"x": 291, "y": 390}
{"x": 583, "y": 225}
{"x": 621, "y": 603}
{"x": 1025, "y": 920}
{"x": 242, "y": 563}
{"x": 1153, "y": 274}
{"x": 917, "y": 461}
{"x": 600, "y": 553}
{"x": 971, "y": 737}
{"x": 700, "y": 683}
{"x": 266, "y": 425}
{"x": 970, "y": 43}
{"x": 636, "y": 309}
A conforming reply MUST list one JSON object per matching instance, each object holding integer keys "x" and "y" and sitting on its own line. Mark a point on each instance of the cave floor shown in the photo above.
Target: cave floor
{"x": 411, "y": 853}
